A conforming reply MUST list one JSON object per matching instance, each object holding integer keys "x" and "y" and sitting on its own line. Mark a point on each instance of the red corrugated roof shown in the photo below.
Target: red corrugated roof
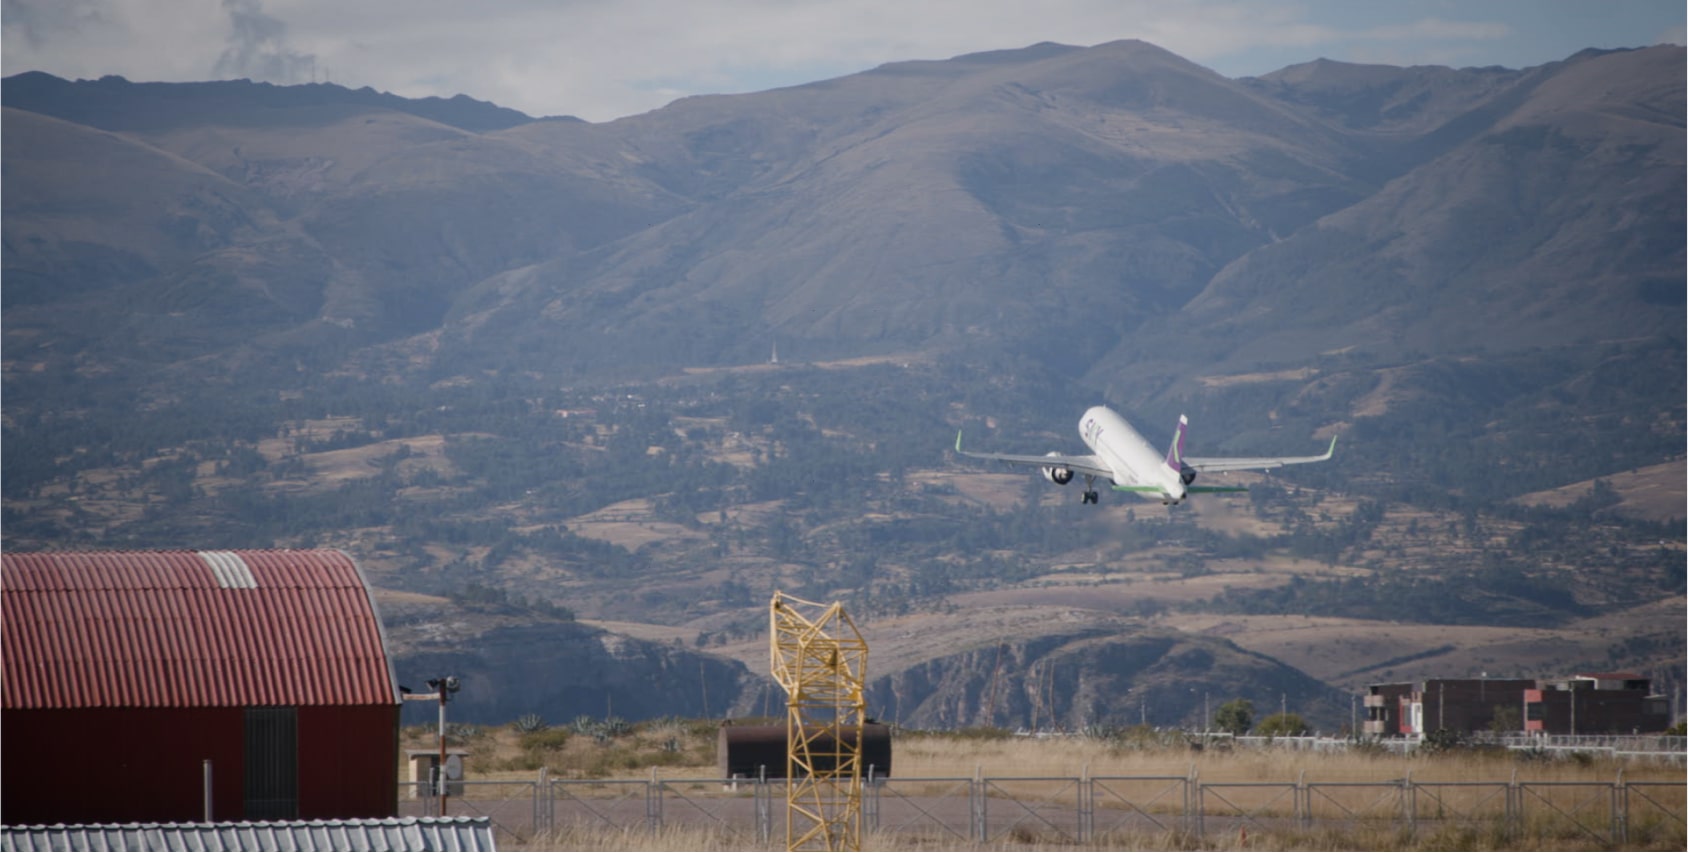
{"x": 189, "y": 629}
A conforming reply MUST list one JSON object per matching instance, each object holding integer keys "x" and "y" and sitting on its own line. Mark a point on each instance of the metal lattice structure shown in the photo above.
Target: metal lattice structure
{"x": 820, "y": 659}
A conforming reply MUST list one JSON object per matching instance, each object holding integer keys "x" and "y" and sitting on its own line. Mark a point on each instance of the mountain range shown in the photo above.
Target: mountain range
{"x": 216, "y": 294}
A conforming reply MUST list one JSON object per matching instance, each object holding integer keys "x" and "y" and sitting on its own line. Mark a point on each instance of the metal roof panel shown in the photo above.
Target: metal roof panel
{"x": 405, "y": 834}
{"x": 181, "y": 628}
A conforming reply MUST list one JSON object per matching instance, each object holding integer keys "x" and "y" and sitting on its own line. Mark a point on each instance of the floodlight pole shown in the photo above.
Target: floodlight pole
{"x": 443, "y": 688}
{"x": 439, "y": 772}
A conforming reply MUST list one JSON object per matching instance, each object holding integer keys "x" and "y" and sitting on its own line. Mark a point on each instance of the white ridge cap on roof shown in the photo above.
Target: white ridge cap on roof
{"x": 231, "y": 571}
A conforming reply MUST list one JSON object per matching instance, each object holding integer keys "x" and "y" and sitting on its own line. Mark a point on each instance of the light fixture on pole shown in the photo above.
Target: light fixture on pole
{"x": 443, "y": 688}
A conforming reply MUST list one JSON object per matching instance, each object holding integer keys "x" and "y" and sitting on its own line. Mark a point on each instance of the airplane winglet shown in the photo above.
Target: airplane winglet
{"x": 958, "y": 441}
{"x": 1329, "y": 452}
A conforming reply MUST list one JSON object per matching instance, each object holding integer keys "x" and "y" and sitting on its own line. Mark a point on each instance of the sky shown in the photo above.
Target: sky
{"x": 604, "y": 59}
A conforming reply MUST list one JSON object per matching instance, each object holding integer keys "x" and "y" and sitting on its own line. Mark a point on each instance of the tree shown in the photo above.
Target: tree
{"x": 1282, "y": 725}
{"x": 1506, "y": 719}
{"x": 1235, "y": 716}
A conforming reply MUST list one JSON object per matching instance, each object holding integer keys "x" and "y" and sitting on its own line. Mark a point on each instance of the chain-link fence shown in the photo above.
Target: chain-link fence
{"x": 1084, "y": 810}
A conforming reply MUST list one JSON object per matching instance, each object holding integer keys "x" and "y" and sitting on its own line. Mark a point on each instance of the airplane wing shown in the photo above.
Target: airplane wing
{"x": 1089, "y": 465}
{"x": 1214, "y": 464}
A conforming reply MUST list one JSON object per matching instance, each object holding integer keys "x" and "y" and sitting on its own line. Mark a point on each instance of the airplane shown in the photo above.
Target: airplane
{"x": 1122, "y": 457}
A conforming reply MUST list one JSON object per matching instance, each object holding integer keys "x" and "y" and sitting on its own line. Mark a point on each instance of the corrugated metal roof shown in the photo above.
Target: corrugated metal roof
{"x": 189, "y": 629}
{"x": 415, "y": 833}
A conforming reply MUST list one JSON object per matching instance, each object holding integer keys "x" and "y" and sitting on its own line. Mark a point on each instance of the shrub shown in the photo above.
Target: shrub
{"x": 1442, "y": 740}
{"x": 530, "y": 723}
{"x": 1283, "y": 725}
{"x": 463, "y": 733}
{"x": 547, "y": 740}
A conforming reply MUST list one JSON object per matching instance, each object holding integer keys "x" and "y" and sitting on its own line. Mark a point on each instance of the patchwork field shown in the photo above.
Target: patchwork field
{"x": 1657, "y": 492}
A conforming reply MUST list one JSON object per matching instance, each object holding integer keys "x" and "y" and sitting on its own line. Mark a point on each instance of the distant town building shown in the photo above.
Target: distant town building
{"x": 1596, "y": 703}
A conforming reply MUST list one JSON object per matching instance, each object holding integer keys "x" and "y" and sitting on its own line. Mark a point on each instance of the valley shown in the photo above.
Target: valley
{"x": 523, "y": 371}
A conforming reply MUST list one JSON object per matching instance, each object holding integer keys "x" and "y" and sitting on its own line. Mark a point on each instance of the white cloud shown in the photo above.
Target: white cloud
{"x": 1439, "y": 29}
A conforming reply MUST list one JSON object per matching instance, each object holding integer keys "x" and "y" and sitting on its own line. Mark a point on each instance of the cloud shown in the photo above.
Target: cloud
{"x": 257, "y": 48}
{"x": 1438, "y": 29}
{"x": 139, "y": 39}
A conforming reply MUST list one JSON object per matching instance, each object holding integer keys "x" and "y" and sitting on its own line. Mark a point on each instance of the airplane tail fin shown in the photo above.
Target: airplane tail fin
{"x": 1175, "y": 453}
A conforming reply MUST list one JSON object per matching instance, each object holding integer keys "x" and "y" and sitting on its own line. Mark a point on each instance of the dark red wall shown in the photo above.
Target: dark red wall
{"x": 348, "y": 761}
{"x": 107, "y": 765}
{"x": 98, "y": 765}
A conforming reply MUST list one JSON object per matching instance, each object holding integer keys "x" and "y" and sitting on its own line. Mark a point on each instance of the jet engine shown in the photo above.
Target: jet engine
{"x": 1056, "y": 475}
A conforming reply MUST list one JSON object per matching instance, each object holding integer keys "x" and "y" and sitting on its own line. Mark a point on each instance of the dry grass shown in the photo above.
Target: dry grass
{"x": 1655, "y": 493}
{"x": 671, "y": 748}
{"x": 1342, "y": 820}
{"x": 1490, "y": 836}
{"x": 677, "y": 749}
{"x": 629, "y": 524}
{"x": 939, "y": 756}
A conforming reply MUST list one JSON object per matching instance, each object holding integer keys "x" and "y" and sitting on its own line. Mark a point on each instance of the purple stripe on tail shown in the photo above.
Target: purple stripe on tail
{"x": 1175, "y": 453}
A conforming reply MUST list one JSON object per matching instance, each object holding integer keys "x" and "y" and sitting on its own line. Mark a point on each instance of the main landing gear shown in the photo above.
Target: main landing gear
{"x": 1090, "y": 494}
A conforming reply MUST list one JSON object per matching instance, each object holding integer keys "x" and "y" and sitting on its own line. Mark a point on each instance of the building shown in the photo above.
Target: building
{"x": 1598, "y": 703}
{"x": 1384, "y": 708}
{"x": 193, "y": 686}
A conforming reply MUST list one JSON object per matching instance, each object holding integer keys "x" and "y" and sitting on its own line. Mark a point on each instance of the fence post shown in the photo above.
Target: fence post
{"x": 1620, "y": 810}
{"x": 1086, "y": 805}
{"x": 1302, "y": 801}
{"x": 653, "y": 803}
{"x": 1409, "y": 802}
{"x": 1514, "y": 805}
{"x": 764, "y": 806}
{"x": 976, "y": 803}
{"x": 540, "y": 823}
{"x": 1195, "y": 820}
{"x": 870, "y": 804}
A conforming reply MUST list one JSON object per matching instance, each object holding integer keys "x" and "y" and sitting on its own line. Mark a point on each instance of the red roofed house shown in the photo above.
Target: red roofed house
{"x": 126, "y": 672}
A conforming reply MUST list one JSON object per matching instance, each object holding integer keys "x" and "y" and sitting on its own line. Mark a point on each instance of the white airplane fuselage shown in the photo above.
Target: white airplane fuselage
{"x": 1132, "y": 458}
{"x": 1118, "y": 453}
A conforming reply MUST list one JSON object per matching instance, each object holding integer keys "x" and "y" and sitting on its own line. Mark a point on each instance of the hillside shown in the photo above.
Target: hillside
{"x": 521, "y": 370}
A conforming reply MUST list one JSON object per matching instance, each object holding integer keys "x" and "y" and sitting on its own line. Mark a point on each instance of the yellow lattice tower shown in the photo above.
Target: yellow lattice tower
{"x": 821, "y": 660}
